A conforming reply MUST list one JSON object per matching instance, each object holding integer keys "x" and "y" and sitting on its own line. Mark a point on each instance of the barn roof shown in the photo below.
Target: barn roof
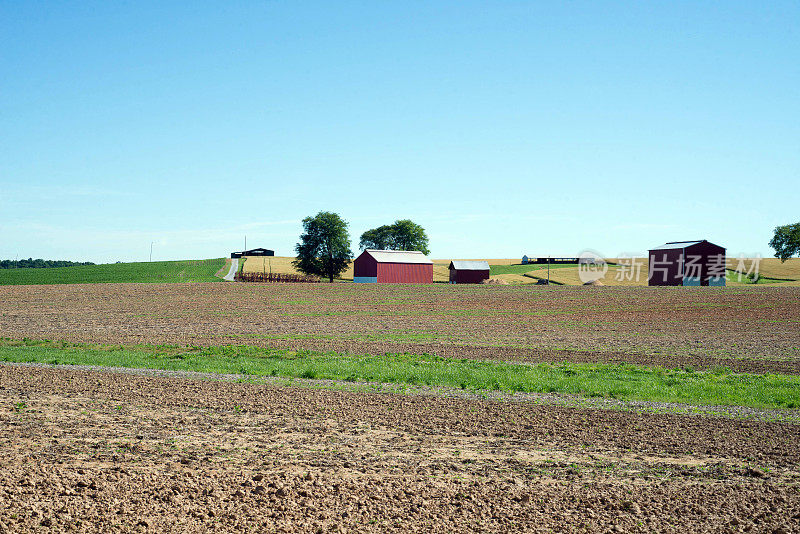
{"x": 672, "y": 245}
{"x": 398, "y": 256}
{"x": 469, "y": 265}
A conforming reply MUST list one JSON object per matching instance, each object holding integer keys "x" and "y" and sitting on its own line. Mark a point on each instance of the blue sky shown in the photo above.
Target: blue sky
{"x": 503, "y": 128}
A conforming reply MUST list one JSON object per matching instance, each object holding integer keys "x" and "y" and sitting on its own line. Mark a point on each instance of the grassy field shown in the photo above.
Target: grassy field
{"x": 618, "y": 381}
{"x": 157, "y": 271}
{"x": 266, "y": 264}
{"x": 771, "y": 270}
{"x": 617, "y": 275}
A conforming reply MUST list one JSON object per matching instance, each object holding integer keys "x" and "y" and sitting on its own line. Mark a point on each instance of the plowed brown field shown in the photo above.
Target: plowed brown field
{"x": 747, "y": 329}
{"x": 100, "y": 452}
{"x": 97, "y": 451}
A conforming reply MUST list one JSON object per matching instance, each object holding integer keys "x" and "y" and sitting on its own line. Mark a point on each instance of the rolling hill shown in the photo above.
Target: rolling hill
{"x": 142, "y": 272}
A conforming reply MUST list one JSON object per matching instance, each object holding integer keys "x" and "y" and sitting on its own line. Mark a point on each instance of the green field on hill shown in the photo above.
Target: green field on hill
{"x": 143, "y": 272}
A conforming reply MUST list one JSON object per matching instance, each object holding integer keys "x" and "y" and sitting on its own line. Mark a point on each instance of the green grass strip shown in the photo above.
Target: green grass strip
{"x": 522, "y": 269}
{"x": 143, "y": 272}
{"x": 618, "y": 381}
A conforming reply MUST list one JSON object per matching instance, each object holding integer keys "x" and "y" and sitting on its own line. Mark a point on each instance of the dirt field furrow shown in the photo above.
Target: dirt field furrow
{"x": 97, "y": 451}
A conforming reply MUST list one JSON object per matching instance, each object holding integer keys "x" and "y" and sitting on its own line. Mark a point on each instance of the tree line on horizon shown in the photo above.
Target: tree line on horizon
{"x": 39, "y": 263}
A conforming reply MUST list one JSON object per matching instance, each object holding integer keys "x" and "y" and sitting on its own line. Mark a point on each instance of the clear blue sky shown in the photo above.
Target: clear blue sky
{"x": 503, "y": 128}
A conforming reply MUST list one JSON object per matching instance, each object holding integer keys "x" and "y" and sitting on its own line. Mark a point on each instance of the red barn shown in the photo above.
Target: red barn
{"x": 468, "y": 272}
{"x": 392, "y": 267}
{"x": 687, "y": 263}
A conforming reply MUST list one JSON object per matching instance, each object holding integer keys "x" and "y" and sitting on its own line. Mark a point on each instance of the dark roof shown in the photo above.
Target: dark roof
{"x": 673, "y": 245}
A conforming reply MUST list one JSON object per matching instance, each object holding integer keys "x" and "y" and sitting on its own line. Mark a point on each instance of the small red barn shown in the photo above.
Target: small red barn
{"x": 687, "y": 263}
{"x": 392, "y": 267}
{"x": 468, "y": 272}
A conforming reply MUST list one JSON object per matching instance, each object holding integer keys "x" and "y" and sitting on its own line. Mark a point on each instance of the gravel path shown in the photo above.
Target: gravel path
{"x": 232, "y": 272}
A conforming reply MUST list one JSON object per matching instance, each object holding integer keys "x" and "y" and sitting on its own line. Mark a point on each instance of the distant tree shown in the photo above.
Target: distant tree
{"x": 378, "y": 238}
{"x": 786, "y": 241}
{"x": 324, "y": 247}
{"x": 402, "y": 235}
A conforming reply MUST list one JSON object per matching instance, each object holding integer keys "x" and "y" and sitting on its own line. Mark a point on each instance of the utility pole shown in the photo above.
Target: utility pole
{"x": 245, "y": 243}
{"x": 548, "y": 270}
{"x": 151, "y": 251}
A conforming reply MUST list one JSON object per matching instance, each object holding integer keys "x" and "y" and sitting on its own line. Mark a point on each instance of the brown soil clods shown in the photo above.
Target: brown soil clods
{"x": 95, "y": 451}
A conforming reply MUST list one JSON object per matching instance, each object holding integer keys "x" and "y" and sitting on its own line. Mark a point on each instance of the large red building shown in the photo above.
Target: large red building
{"x": 687, "y": 263}
{"x": 392, "y": 267}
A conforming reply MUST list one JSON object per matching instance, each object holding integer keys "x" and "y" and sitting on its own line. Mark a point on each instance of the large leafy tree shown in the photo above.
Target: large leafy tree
{"x": 408, "y": 235}
{"x": 324, "y": 247}
{"x": 786, "y": 241}
{"x": 378, "y": 238}
{"x": 402, "y": 235}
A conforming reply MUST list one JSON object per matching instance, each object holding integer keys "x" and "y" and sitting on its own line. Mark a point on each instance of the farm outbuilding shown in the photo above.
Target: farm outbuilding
{"x": 468, "y": 272}
{"x": 392, "y": 267}
{"x": 687, "y": 263}
{"x": 253, "y": 252}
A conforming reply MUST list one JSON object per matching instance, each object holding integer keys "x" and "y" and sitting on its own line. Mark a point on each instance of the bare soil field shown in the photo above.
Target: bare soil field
{"x": 92, "y": 451}
{"x": 755, "y": 329}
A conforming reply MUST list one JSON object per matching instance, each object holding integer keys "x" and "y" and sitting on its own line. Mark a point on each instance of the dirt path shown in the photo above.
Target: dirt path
{"x": 96, "y": 451}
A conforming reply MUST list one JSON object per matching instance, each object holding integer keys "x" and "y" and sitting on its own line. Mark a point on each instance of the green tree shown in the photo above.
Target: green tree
{"x": 402, "y": 235}
{"x": 408, "y": 235}
{"x": 324, "y": 247}
{"x": 378, "y": 238}
{"x": 786, "y": 241}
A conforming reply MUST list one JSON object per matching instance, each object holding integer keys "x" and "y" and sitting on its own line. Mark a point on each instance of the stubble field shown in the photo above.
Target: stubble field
{"x": 94, "y": 450}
